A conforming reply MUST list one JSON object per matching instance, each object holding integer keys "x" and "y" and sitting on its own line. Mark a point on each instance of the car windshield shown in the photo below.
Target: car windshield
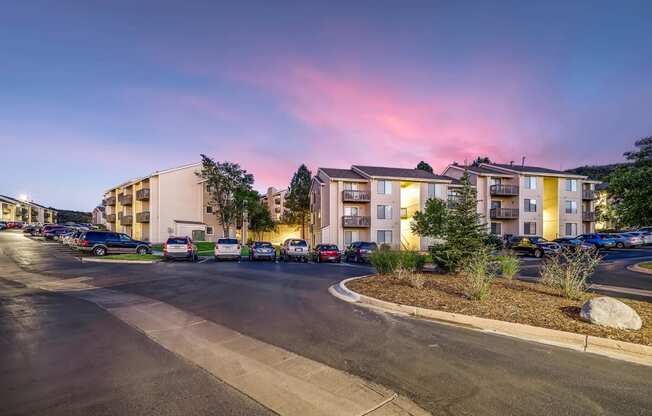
{"x": 177, "y": 241}
{"x": 227, "y": 241}
{"x": 298, "y": 243}
{"x": 538, "y": 240}
{"x": 368, "y": 246}
{"x": 262, "y": 244}
{"x": 328, "y": 247}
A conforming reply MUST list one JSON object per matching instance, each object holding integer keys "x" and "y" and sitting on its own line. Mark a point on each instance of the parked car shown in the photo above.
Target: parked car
{"x": 646, "y": 238}
{"x": 326, "y": 253}
{"x": 598, "y": 241}
{"x": 227, "y": 248}
{"x": 180, "y": 248}
{"x": 3, "y": 225}
{"x": 55, "y": 232}
{"x": 572, "y": 243}
{"x": 100, "y": 243}
{"x": 360, "y": 251}
{"x": 625, "y": 240}
{"x": 295, "y": 249}
{"x": 645, "y": 230}
{"x": 533, "y": 246}
{"x": 262, "y": 250}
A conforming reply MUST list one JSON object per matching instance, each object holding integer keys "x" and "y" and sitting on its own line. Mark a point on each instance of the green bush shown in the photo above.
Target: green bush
{"x": 445, "y": 257}
{"x": 479, "y": 272}
{"x": 493, "y": 241}
{"x": 385, "y": 261}
{"x": 509, "y": 266}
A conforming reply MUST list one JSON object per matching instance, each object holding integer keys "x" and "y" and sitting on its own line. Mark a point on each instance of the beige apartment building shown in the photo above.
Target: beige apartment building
{"x": 371, "y": 203}
{"x": 173, "y": 202}
{"x": 275, "y": 201}
{"x": 12, "y": 209}
{"x": 530, "y": 200}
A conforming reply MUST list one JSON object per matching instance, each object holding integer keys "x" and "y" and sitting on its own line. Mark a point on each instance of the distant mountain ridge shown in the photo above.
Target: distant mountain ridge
{"x": 597, "y": 172}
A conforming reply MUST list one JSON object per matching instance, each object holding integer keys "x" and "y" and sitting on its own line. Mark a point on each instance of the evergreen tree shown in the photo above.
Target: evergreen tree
{"x": 424, "y": 166}
{"x": 297, "y": 204}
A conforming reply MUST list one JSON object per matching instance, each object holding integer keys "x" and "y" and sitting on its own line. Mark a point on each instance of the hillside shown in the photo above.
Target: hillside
{"x": 597, "y": 172}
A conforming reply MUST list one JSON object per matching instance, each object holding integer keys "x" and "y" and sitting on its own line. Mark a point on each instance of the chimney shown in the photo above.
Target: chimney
{"x": 511, "y": 163}
{"x": 523, "y": 161}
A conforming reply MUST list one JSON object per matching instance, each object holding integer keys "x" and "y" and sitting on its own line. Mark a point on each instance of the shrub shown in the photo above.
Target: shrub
{"x": 416, "y": 280}
{"x": 445, "y": 257}
{"x": 569, "y": 270}
{"x": 509, "y": 266}
{"x": 385, "y": 261}
{"x": 493, "y": 241}
{"x": 479, "y": 273}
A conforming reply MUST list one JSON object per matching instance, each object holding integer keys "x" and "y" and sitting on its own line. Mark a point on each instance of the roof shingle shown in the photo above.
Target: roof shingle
{"x": 381, "y": 171}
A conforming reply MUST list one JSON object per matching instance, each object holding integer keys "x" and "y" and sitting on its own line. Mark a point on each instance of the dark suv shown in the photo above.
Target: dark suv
{"x": 101, "y": 243}
{"x": 360, "y": 251}
{"x": 533, "y": 246}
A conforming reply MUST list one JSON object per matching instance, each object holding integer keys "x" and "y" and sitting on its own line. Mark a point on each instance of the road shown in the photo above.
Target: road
{"x": 446, "y": 370}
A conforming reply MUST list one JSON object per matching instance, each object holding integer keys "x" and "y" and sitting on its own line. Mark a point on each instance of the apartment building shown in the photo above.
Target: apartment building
{"x": 275, "y": 201}
{"x": 372, "y": 203}
{"x": 12, "y": 209}
{"x": 531, "y": 200}
{"x": 98, "y": 216}
{"x": 172, "y": 202}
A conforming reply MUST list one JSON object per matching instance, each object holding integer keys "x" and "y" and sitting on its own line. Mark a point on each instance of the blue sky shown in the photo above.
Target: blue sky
{"x": 94, "y": 93}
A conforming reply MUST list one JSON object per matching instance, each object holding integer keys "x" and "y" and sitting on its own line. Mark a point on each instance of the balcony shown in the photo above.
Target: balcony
{"x": 452, "y": 201}
{"x": 127, "y": 220}
{"x": 503, "y": 213}
{"x": 142, "y": 217}
{"x": 350, "y": 195}
{"x": 503, "y": 190}
{"x": 110, "y": 218}
{"x": 142, "y": 194}
{"x": 356, "y": 221}
{"x": 126, "y": 199}
{"x": 588, "y": 194}
{"x": 110, "y": 201}
{"x": 588, "y": 216}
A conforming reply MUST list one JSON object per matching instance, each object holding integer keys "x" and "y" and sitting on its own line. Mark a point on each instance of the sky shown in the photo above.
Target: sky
{"x": 93, "y": 93}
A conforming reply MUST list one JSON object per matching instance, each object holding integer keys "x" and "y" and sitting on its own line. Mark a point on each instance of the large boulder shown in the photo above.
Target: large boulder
{"x": 610, "y": 312}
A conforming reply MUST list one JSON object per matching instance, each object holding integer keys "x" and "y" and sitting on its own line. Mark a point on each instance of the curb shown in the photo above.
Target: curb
{"x": 91, "y": 260}
{"x": 626, "y": 351}
{"x": 638, "y": 269}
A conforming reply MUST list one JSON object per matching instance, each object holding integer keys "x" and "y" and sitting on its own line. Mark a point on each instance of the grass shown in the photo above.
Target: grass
{"x": 509, "y": 300}
{"x": 132, "y": 257}
{"x": 647, "y": 265}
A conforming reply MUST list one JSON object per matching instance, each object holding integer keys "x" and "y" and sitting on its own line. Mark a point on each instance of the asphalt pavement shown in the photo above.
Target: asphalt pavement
{"x": 447, "y": 370}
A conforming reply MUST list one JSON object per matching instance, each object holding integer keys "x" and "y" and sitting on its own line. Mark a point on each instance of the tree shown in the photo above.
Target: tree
{"x": 424, "y": 166}
{"x": 297, "y": 204}
{"x": 432, "y": 222}
{"x": 229, "y": 186}
{"x": 630, "y": 187}
{"x": 481, "y": 159}
{"x": 260, "y": 219}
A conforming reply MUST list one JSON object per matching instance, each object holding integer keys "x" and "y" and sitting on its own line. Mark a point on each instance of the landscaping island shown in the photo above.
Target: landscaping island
{"x": 511, "y": 300}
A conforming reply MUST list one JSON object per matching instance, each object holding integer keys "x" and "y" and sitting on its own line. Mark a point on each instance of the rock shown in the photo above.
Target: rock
{"x": 610, "y": 312}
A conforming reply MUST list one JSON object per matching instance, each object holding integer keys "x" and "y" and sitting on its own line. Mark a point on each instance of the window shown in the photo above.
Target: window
{"x": 350, "y": 186}
{"x": 384, "y": 212}
{"x": 384, "y": 237}
{"x": 496, "y": 181}
{"x": 530, "y": 228}
{"x": 530, "y": 205}
{"x": 351, "y": 236}
{"x": 351, "y": 211}
{"x": 496, "y": 204}
{"x": 209, "y": 209}
{"x": 571, "y": 185}
{"x": 496, "y": 228}
{"x": 404, "y": 213}
{"x": 209, "y": 230}
{"x": 571, "y": 229}
{"x": 571, "y": 207}
{"x": 385, "y": 187}
{"x": 530, "y": 182}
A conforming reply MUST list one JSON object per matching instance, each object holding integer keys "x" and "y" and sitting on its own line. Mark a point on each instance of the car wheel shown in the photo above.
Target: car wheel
{"x": 620, "y": 245}
{"x": 141, "y": 250}
{"x": 538, "y": 253}
{"x": 99, "y": 251}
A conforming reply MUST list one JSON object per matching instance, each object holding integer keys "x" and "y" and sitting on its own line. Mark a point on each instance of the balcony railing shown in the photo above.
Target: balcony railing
{"x": 142, "y": 194}
{"x": 503, "y": 190}
{"x": 127, "y": 220}
{"x": 350, "y": 195}
{"x": 355, "y": 221}
{"x": 110, "y": 201}
{"x": 588, "y": 216}
{"x": 110, "y": 217}
{"x": 142, "y": 217}
{"x": 126, "y": 199}
{"x": 588, "y": 194}
{"x": 503, "y": 213}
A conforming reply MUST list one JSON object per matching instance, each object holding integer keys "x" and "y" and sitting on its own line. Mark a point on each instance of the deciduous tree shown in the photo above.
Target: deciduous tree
{"x": 297, "y": 204}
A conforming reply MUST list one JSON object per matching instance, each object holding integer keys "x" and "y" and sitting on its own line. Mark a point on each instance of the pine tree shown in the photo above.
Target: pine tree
{"x": 297, "y": 204}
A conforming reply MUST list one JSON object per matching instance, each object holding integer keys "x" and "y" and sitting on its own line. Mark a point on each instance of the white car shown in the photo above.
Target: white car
{"x": 227, "y": 248}
{"x": 295, "y": 249}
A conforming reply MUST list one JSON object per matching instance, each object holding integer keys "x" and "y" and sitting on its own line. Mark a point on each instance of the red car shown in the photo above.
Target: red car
{"x": 326, "y": 253}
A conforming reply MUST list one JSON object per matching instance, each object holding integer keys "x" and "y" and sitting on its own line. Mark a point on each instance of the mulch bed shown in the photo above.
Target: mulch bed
{"x": 510, "y": 300}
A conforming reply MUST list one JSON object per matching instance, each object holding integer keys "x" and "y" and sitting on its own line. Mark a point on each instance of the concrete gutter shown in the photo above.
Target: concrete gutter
{"x": 626, "y": 351}
{"x": 638, "y": 269}
{"x": 99, "y": 260}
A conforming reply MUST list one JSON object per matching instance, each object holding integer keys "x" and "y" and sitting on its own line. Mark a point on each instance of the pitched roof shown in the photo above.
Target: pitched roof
{"x": 341, "y": 173}
{"x": 529, "y": 169}
{"x": 381, "y": 171}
